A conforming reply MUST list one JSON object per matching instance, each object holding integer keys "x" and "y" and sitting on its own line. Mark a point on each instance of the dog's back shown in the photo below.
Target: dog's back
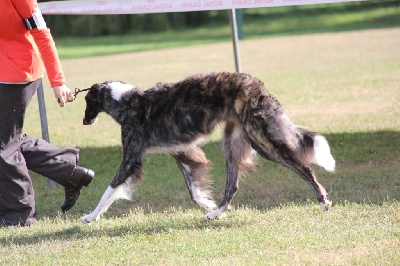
{"x": 190, "y": 109}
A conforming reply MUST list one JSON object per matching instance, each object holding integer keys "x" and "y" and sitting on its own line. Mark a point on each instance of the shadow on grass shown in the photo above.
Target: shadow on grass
{"x": 368, "y": 170}
{"x": 142, "y": 228}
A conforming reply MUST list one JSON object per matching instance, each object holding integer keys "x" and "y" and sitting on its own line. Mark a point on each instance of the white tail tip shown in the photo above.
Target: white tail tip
{"x": 322, "y": 154}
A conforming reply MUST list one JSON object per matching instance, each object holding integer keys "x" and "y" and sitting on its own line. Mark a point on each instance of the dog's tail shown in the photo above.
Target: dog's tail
{"x": 285, "y": 139}
{"x": 316, "y": 150}
{"x": 273, "y": 135}
{"x": 322, "y": 154}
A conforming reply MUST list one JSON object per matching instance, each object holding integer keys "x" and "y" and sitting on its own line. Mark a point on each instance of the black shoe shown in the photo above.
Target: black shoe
{"x": 81, "y": 177}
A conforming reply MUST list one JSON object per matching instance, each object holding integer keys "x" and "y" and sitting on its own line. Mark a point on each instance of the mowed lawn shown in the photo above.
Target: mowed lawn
{"x": 344, "y": 85}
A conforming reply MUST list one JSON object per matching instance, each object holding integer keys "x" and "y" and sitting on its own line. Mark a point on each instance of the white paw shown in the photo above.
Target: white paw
{"x": 326, "y": 205}
{"x": 216, "y": 214}
{"x": 90, "y": 218}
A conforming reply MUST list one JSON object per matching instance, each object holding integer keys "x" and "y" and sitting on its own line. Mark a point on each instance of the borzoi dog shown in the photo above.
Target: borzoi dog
{"x": 174, "y": 118}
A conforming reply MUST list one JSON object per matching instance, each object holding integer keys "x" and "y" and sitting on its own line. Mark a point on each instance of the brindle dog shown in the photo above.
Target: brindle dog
{"x": 174, "y": 118}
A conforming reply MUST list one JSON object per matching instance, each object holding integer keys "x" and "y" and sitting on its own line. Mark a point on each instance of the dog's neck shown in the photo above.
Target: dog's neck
{"x": 122, "y": 106}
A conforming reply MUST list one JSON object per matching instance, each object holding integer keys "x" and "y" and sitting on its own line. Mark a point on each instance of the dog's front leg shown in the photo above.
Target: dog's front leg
{"x": 121, "y": 187}
{"x": 109, "y": 196}
{"x": 232, "y": 185}
{"x": 129, "y": 172}
{"x": 237, "y": 150}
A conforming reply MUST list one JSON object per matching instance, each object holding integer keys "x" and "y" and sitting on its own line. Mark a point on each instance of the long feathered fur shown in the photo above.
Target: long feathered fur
{"x": 174, "y": 118}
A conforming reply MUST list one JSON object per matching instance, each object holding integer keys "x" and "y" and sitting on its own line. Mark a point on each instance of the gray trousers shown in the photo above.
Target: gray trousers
{"x": 20, "y": 153}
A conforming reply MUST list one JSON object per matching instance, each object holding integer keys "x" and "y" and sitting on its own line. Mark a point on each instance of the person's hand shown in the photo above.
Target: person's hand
{"x": 63, "y": 94}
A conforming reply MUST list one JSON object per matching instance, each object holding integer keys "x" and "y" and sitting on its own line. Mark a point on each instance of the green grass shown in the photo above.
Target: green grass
{"x": 287, "y": 235}
{"x": 343, "y": 85}
{"x": 257, "y": 23}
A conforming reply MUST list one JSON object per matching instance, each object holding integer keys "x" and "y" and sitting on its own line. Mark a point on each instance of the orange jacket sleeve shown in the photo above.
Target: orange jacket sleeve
{"x": 47, "y": 49}
{"x": 39, "y": 41}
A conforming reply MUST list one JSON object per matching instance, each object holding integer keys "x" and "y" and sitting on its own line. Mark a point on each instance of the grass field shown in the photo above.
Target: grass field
{"x": 257, "y": 23}
{"x": 344, "y": 85}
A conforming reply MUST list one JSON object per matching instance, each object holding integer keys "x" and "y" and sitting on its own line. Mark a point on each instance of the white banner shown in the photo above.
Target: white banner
{"x": 162, "y": 6}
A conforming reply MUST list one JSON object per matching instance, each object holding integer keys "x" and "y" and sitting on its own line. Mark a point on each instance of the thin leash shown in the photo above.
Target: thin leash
{"x": 74, "y": 93}
{"x": 79, "y": 90}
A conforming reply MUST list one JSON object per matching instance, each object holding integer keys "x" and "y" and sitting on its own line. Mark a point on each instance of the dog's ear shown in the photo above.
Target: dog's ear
{"x": 95, "y": 92}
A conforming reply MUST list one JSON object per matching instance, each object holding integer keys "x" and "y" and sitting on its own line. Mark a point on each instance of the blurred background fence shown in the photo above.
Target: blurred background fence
{"x": 102, "y": 25}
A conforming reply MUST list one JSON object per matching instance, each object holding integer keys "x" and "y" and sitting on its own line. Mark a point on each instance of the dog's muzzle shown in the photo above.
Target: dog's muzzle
{"x": 91, "y": 122}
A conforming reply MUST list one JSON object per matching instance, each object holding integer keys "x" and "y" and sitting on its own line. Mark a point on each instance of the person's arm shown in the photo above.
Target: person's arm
{"x": 47, "y": 49}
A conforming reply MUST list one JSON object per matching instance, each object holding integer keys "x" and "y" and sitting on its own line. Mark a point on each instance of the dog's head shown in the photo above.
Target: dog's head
{"x": 106, "y": 97}
{"x": 93, "y": 104}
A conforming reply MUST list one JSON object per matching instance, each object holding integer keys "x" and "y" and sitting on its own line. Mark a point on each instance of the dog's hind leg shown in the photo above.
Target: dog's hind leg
{"x": 309, "y": 176}
{"x": 239, "y": 157}
{"x": 194, "y": 167}
{"x": 274, "y": 136}
{"x": 287, "y": 159}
